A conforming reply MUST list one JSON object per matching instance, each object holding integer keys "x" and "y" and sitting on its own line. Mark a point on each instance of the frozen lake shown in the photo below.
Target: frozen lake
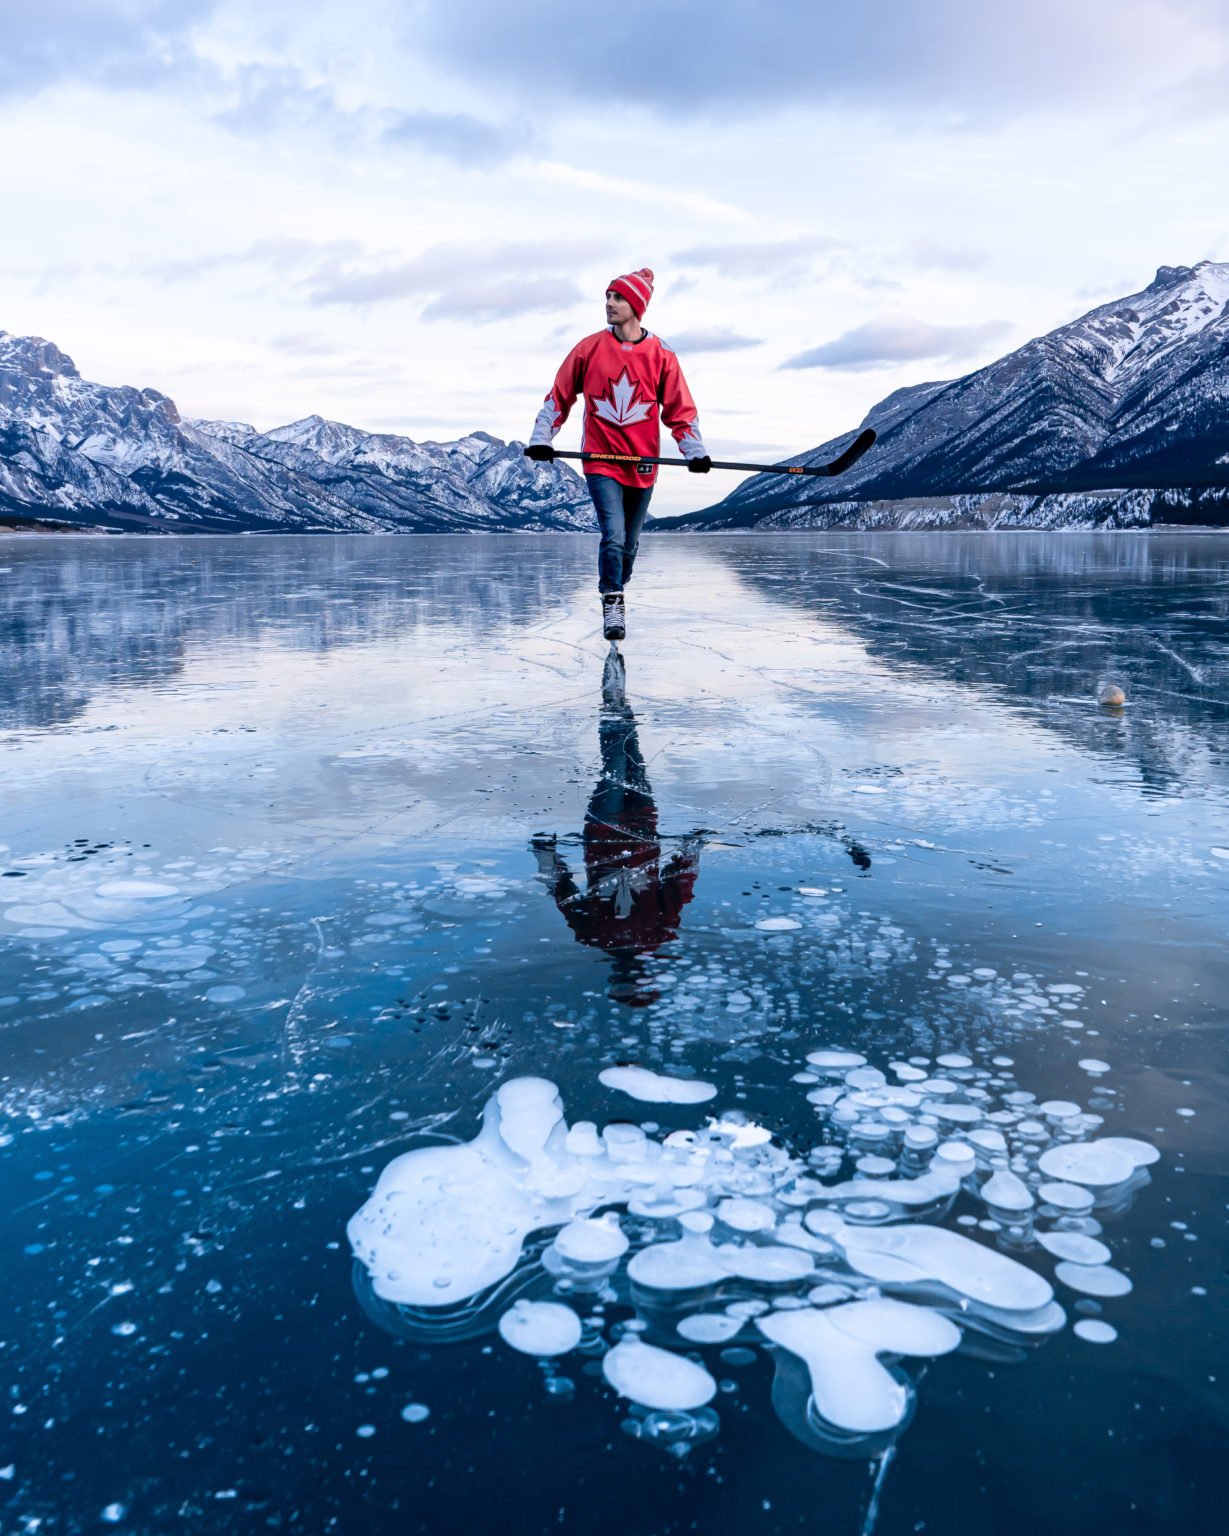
{"x": 310, "y": 849}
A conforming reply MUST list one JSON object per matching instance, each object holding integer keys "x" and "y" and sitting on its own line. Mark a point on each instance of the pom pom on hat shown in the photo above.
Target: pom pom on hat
{"x": 636, "y": 288}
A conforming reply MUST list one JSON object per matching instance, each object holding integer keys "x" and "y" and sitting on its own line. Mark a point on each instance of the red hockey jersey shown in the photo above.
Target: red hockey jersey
{"x": 625, "y": 385}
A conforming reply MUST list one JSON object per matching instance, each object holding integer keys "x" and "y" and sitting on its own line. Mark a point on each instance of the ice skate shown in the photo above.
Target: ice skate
{"x": 614, "y": 617}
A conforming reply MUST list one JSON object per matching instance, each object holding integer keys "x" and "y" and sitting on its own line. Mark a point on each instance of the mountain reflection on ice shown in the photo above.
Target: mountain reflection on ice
{"x": 283, "y": 827}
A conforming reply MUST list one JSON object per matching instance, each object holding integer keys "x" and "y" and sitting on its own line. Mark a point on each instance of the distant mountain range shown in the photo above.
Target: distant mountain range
{"x": 1119, "y": 419}
{"x": 91, "y": 456}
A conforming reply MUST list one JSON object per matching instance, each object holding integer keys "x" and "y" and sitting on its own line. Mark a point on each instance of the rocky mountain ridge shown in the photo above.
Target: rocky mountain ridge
{"x": 1120, "y": 418}
{"x": 78, "y": 454}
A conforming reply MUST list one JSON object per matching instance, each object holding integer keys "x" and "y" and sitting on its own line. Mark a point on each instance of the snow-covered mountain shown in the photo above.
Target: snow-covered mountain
{"x": 1120, "y": 418}
{"x": 90, "y": 455}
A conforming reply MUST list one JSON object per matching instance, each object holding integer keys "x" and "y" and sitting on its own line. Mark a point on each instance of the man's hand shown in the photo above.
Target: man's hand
{"x": 700, "y": 466}
{"x": 540, "y": 453}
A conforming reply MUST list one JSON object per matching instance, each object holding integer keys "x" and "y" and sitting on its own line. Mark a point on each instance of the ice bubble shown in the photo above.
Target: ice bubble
{"x": 957, "y": 1153}
{"x": 685, "y": 1265}
{"x": 1005, "y": 1192}
{"x": 415, "y": 1413}
{"x": 822, "y": 1223}
{"x": 135, "y": 890}
{"x": 964, "y": 1266}
{"x": 747, "y": 1215}
{"x": 656, "y": 1378}
{"x": 1093, "y": 1331}
{"x": 1066, "y": 1197}
{"x": 1091, "y": 1064}
{"x": 112, "y": 1514}
{"x": 957, "y": 1114}
{"x": 839, "y": 1345}
{"x": 866, "y": 1077}
{"x": 769, "y": 1264}
{"x": 876, "y": 1167}
{"x": 746, "y": 1309}
{"x": 709, "y": 1328}
{"x": 954, "y": 1061}
{"x": 1142, "y": 1153}
{"x": 988, "y": 1141}
{"x": 1075, "y": 1247}
{"x": 742, "y": 1134}
{"x": 828, "y": 1294}
{"x": 1058, "y": 1109}
{"x": 777, "y": 924}
{"x": 224, "y": 994}
{"x": 591, "y": 1240}
{"x": 654, "y": 1088}
{"x": 1090, "y": 1163}
{"x": 540, "y": 1328}
{"x": 835, "y": 1061}
{"x": 1093, "y": 1279}
{"x": 660, "y": 1204}
{"x": 920, "y": 1137}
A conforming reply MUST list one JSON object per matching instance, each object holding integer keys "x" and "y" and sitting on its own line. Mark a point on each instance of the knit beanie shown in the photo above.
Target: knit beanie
{"x": 636, "y": 288}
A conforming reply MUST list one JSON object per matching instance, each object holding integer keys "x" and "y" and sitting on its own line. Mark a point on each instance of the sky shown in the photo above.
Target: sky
{"x": 403, "y": 215}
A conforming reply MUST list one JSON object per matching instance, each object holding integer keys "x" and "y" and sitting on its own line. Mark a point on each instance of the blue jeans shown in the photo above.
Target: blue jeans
{"x": 620, "y": 515}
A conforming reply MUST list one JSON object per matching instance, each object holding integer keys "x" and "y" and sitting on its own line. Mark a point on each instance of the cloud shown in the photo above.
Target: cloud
{"x": 946, "y": 258}
{"x": 104, "y": 42}
{"x": 487, "y": 302}
{"x": 260, "y": 98}
{"x": 478, "y": 282}
{"x": 951, "y": 59}
{"x": 772, "y": 259}
{"x": 457, "y": 136}
{"x": 712, "y": 341}
{"x": 899, "y": 339}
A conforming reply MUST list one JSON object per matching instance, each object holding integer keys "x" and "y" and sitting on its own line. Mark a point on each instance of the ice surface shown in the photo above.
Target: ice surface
{"x": 657, "y": 1378}
{"x": 540, "y": 1328}
{"x": 328, "y": 730}
{"x": 654, "y": 1088}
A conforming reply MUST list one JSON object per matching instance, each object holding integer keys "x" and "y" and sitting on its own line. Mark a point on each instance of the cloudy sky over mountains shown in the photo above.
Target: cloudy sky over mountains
{"x": 402, "y": 214}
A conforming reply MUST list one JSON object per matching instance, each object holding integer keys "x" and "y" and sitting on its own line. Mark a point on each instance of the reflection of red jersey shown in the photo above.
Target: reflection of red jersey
{"x": 625, "y": 384}
{"x": 634, "y": 903}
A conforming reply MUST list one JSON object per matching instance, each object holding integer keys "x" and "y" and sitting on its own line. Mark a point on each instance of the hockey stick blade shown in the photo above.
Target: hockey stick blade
{"x": 852, "y": 454}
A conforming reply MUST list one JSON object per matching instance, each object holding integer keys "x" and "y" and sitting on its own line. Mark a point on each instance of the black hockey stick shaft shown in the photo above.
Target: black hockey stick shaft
{"x": 837, "y": 466}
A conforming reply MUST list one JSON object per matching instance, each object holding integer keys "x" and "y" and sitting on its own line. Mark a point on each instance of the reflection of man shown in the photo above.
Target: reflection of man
{"x": 634, "y": 902}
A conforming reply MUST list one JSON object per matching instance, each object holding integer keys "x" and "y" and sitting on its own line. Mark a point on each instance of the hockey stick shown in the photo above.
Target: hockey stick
{"x": 837, "y": 466}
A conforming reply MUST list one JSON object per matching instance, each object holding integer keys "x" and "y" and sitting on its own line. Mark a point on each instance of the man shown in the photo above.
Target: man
{"x": 627, "y": 376}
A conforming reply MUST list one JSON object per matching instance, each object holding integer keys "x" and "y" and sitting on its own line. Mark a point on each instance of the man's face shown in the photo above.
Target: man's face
{"x": 618, "y": 310}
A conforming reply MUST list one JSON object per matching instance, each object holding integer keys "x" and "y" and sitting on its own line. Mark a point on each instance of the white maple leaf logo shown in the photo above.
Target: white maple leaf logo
{"x": 622, "y": 409}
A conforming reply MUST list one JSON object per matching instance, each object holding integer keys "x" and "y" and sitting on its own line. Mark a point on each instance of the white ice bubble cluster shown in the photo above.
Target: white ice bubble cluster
{"x": 939, "y": 1199}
